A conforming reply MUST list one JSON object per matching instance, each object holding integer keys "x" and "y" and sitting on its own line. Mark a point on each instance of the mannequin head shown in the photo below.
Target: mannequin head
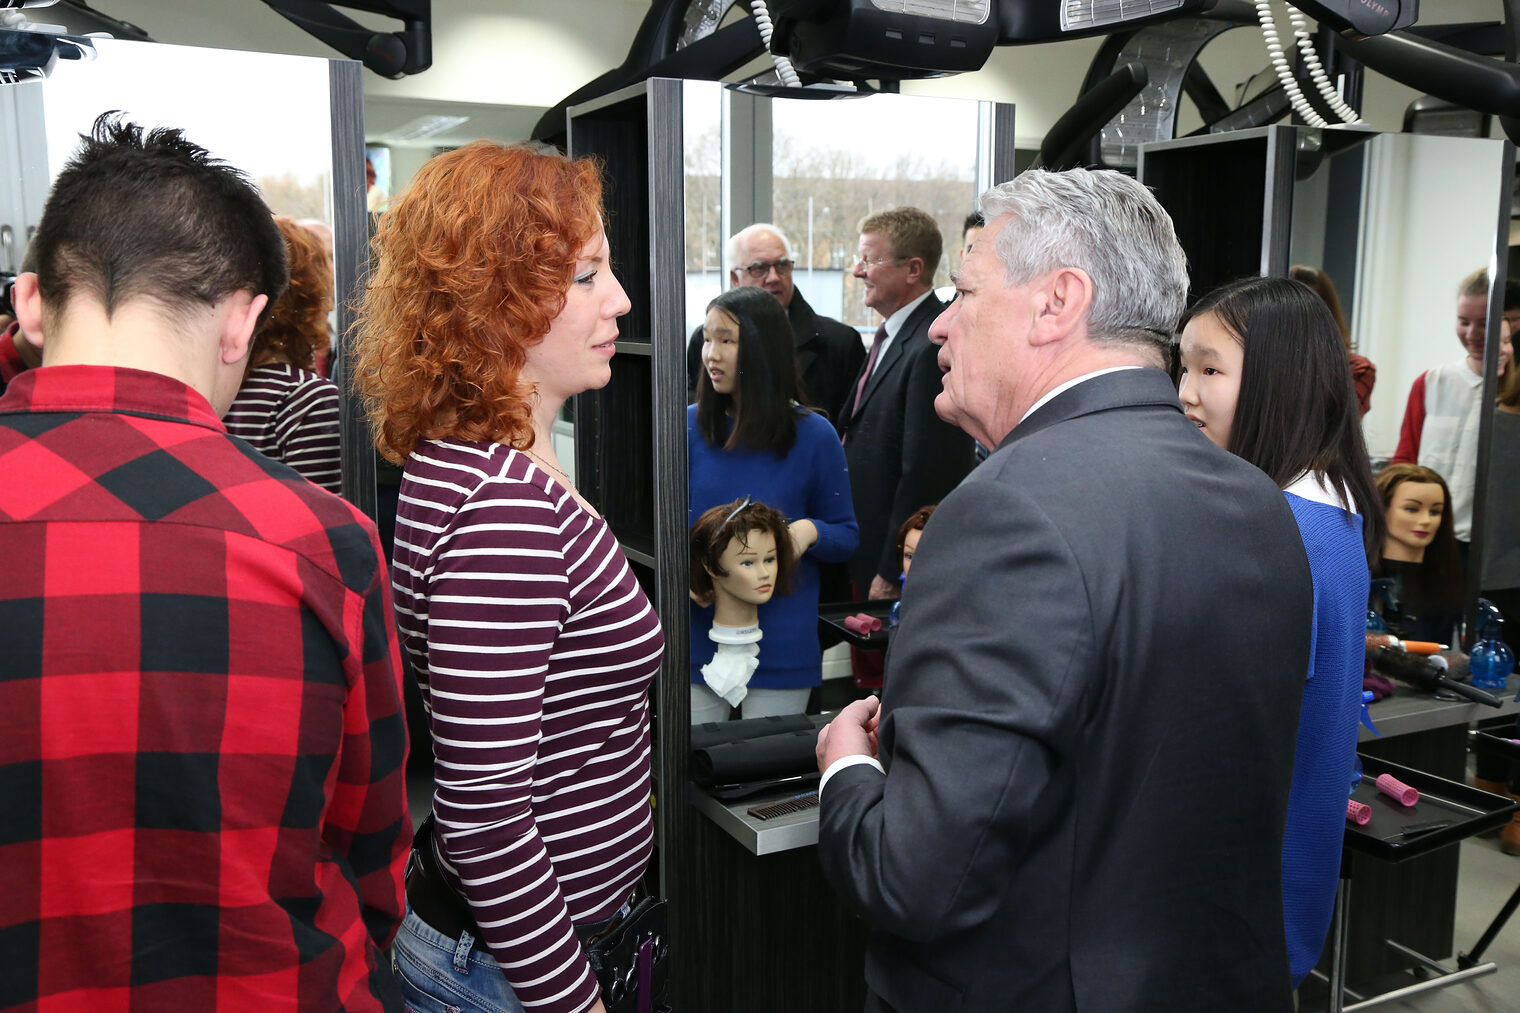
{"x": 1407, "y": 491}
{"x": 741, "y": 554}
{"x": 908, "y": 535}
{"x": 1417, "y": 509}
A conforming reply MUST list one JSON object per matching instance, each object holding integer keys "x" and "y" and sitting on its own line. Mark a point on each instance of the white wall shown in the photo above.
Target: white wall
{"x": 1430, "y": 206}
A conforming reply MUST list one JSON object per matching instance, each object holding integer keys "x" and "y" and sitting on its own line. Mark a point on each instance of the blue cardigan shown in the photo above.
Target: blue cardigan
{"x": 809, "y": 482}
{"x": 1327, "y": 722}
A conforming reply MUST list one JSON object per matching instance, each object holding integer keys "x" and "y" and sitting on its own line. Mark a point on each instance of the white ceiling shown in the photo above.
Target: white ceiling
{"x": 502, "y": 62}
{"x": 499, "y": 62}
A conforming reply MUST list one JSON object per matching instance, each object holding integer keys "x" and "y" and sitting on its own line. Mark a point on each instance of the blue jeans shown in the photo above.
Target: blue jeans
{"x": 442, "y": 975}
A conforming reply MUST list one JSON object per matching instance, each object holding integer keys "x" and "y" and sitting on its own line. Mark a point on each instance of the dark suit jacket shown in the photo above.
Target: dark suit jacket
{"x": 901, "y": 455}
{"x": 829, "y": 355}
{"x": 1088, "y": 728}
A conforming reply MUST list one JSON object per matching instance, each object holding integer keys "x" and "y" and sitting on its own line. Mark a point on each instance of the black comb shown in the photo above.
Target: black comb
{"x": 771, "y": 810}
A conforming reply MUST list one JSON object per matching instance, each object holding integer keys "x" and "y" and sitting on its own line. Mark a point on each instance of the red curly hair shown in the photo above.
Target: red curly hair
{"x": 472, "y": 265}
{"x": 295, "y": 330}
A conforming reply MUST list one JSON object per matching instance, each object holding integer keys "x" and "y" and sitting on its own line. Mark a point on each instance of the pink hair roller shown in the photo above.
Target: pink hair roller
{"x": 862, "y": 624}
{"x": 1358, "y": 812}
{"x": 1398, "y": 790}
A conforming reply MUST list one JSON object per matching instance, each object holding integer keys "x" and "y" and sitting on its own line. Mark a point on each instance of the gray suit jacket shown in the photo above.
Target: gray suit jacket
{"x": 1088, "y": 728}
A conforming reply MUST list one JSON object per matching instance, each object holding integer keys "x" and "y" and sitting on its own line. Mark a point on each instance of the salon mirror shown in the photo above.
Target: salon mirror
{"x": 1397, "y": 221}
{"x": 815, "y": 169}
{"x": 292, "y": 123}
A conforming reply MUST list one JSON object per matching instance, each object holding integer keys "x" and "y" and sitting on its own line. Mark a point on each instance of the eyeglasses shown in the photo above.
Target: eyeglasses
{"x": 873, "y": 262}
{"x": 736, "y": 512}
{"x": 759, "y": 269}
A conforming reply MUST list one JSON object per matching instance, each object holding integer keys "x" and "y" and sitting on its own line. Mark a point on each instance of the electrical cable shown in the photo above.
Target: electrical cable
{"x": 784, "y": 68}
{"x": 1284, "y": 72}
{"x": 1327, "y": 91}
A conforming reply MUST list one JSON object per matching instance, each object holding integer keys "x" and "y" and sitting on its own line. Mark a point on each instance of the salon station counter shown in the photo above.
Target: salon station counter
{"x": 760, "y": 837}
{"x": 1413, "y": 902}
{"x": 774, "y": 868}
{"x": 1408, "y": 712}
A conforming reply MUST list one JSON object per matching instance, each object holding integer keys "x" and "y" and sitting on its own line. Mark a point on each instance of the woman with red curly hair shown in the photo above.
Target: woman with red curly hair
{"x": 284, "y": 408}
{"x": 492, "y": 301}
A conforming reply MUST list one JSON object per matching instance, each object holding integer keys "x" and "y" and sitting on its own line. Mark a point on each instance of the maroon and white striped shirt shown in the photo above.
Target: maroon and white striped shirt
{"x": 536, "y": 649}
{"x": 291, "y": 415}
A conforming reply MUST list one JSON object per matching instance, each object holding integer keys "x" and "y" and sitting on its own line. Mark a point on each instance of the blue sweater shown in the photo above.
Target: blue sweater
{"x": 810, "y": 483}
{"x": 1327, "y": 723}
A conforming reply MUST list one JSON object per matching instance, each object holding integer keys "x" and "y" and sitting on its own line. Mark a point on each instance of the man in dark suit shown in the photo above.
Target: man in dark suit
{"x": 829, "y": 353}
{"x": 901, "y": 455}
{"x": 1072, "y": 794}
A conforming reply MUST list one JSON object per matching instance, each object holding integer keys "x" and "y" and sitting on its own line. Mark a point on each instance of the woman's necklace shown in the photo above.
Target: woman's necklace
{"x": 551, "y": 467}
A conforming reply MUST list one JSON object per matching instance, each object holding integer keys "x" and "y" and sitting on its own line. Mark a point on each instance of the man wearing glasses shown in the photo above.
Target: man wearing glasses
{"x": 829, "y": 353}
{"x": 901, "y": 455}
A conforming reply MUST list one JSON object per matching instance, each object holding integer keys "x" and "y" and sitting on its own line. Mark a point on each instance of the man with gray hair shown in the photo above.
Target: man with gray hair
{"x": 1072, "y": 793}
{"x": 829, "y": 353}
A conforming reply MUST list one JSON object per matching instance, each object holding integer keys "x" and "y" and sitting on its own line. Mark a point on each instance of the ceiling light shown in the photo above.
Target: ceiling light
{"x": 425, "y": 126}
{"x": 1077, "y": 15}
{"x": 970, "y": 12}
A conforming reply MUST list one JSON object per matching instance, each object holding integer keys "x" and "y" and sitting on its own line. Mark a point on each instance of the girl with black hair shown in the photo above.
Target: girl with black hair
{"x": 748, "y": 435}
{"x": 1265, "y": 376}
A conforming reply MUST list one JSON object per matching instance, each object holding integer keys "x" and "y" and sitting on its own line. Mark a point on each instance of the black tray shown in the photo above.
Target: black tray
{"x": 831, "y": 616}
{"x": 1470, "y": 810}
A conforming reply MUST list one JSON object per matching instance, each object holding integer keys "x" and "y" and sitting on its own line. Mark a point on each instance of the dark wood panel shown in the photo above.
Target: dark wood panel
{"x": 351, "y": 263}
{"x": 768, "y": 934}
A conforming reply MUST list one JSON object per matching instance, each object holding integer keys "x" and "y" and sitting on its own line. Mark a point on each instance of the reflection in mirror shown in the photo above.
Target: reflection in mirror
{"x": 268, "y": 115}
{"x": 1396, "y": 224}
{"x": 789, "y": 324}
{"x": 293, "y": 124}
{"x": 1422, "y": 291}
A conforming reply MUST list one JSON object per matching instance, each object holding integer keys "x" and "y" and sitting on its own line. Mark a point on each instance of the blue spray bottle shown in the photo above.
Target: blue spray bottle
{"x": 1491, "y": 661}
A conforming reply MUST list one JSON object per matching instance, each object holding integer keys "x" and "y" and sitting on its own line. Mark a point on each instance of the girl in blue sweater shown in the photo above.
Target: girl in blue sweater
{"x": 1265, "y": 376}
{"x": 749, "y": 435}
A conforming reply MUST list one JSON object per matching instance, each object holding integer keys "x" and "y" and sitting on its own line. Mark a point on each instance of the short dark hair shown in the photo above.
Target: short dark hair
{"x": 973, "y": 221}
{"x": 710, "y": 535}
{"x": 148, "y": 214}
{"x": 1297, "y": 408}
{"x": 768, "y": 380}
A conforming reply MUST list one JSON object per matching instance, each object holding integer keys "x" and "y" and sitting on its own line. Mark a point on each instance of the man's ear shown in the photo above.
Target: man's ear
{"x": 240, "y": 319}
{"x": 733, "y": 279}
{"x": 1062, "y": 302}
{"x": 27, "y": 297}
{"x": 916, "y": 271}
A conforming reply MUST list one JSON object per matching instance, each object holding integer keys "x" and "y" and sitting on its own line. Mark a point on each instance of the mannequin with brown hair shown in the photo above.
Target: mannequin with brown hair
{"x": 741, "y": 554}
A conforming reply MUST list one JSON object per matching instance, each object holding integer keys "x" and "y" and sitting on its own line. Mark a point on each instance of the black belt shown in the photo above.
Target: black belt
{"x": 439, "y": 905}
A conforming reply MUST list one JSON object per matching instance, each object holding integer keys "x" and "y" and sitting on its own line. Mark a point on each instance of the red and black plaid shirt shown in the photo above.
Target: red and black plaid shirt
{"x": 202, "y": 747}
{"x": 10, "y": 358}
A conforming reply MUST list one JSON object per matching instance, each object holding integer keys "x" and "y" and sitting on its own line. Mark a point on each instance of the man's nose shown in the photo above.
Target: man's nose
{"x": 939, "y": 331}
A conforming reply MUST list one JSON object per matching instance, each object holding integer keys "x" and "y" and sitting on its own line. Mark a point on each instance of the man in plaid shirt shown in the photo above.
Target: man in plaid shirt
{"x": 202, "y": 747}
